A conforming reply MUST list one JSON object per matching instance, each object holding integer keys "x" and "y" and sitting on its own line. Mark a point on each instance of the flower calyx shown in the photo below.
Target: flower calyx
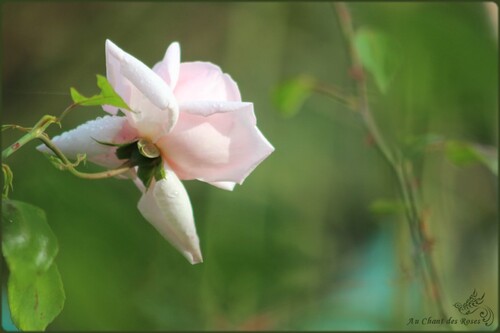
{"x": 144, "y": 155}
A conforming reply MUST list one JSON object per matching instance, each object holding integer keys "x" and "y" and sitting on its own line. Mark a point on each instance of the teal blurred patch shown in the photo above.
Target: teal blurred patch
{"x": 7, "y": 323}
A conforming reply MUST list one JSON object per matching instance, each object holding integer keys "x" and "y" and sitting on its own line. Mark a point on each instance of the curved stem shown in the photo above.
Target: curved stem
{"x": 412, "y": 212}
{"x": 34, "y": 132}
{"x": 65, "y": 112}
{"x": 335, "y": 94}
{"x": 17, "y": 127}
{"x": 38, "y": 132}
{"x": 71, "y": 167}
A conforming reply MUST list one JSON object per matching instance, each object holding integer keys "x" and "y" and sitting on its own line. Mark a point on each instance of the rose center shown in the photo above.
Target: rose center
{"x": 147, "y": 148}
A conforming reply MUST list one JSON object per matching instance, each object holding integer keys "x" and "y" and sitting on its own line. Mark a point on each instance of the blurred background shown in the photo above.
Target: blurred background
{"x": 301, "y": 245}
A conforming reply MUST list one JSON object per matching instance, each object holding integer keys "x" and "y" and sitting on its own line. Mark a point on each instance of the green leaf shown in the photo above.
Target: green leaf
{"x": 374, "y": 51}
{"x": 461, "y": 153}
{"x": 464, "y": 153}
{"x": 489, "y": 157}
{"x": 35, "y": 290}
{"x": 35, "y": 301}
{"x": 28, "y": 242}
{"x": 107, "y": 96}
{"x": 386, "y": 207}
{"x": 291, "y": 95}
{"x": 416, "y": 146}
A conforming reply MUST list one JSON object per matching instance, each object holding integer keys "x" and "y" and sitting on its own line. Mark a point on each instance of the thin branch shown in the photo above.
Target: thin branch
{"x": 38, "y": 132}
{"x": 335, "y": 94}
{"x": 66, "y": 111}
{"x": 430, "y": 276}
{"x": 34, "y": 132}
{"x": 71, "y": 167}
{"x": 17, "y": 127}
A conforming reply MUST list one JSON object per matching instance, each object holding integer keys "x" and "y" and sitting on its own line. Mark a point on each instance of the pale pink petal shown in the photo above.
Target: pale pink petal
{"x": 207, "y": 108}
{"x": 167, "y": 207}
{"x": 215, "y": 146}
{"x": 110, "y": 109}
{"x": 205, "y": 81}
{"x": 168, "y": 68}
{"x": 113, "y": 73}
{"x": 82, "y": 140}
{"x": 228, "y": 186}
{"x": 154, "y": 107}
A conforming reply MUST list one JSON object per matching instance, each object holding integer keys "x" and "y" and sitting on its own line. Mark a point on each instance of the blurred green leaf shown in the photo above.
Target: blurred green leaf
{"x": 28, "y": 242}
{"x": 386, "y": 207}
{"x": 416, "y": 146}
{"x": 461, "y": 153}
{"x": 29, "y": 246}
{"x": 35, "y": 300}
{"x": 291, "y": 95}
{"x": 489, "y": 157}
{"x": 108, "y": 96}
{"x": 374, "y": 52}
{"x": 464, "y": 153}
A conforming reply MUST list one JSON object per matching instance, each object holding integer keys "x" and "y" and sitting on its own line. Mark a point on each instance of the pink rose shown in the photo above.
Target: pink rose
{"x": 189, "y": 115}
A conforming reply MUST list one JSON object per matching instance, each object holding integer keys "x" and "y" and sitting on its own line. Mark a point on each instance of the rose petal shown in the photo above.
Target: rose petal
{"x": 154, "y": 107}
{"x": 82, "y": 140}
{"x": 228, "y": 186}
{"x": 215, "y": 146}
{"x": 115, "y": 77}
{"x": 167, "y": 207}
{"x": 205, "y": 81}
{"x": 168, "y": 68}
{"x": 207, "y": 108}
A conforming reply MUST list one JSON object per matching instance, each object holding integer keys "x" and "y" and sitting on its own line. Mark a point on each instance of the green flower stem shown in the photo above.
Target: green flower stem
{"x": 33, "y": 134}
{"x": 334, "y": 93}
{"x": 400, "y": 168}
{"x": 38, "y": 132}
{"x": 17, "y": 145}
{"x": 71, "y": 166}
{"x": 65, "y": 112}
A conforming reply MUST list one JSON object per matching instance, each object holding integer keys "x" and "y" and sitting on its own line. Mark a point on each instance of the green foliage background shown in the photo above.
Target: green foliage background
{"x": 297, "y": 246}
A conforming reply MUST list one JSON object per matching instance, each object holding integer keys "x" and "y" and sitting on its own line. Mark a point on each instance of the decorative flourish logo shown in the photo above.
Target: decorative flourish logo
{"x": 474, "y": 303}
